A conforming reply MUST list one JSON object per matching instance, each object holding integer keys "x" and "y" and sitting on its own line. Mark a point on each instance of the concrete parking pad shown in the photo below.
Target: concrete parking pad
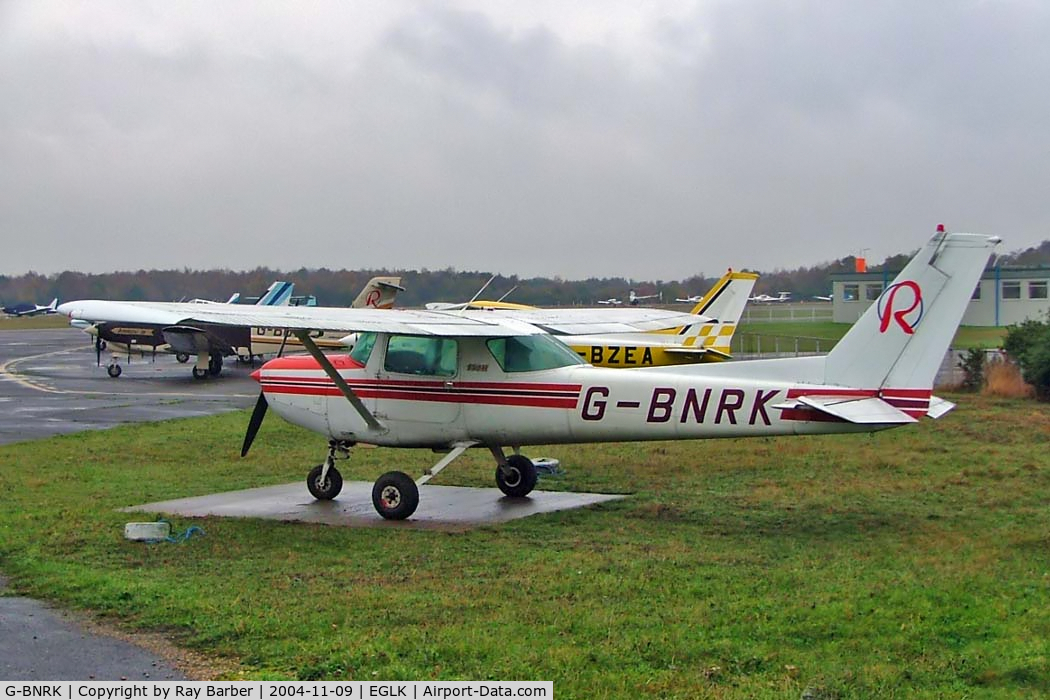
{"x": 440, "y": 507}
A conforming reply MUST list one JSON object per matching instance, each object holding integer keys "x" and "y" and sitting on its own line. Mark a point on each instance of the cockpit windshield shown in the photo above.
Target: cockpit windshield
{"x": 363, "y": 347}
{"x": 531, "y": 353}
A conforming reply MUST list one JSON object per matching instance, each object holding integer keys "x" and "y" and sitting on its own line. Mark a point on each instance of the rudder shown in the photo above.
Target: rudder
{"x": 900, "y": 341}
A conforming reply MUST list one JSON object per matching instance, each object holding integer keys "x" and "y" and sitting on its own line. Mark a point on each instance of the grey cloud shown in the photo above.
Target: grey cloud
{"x": 754, "y": 134}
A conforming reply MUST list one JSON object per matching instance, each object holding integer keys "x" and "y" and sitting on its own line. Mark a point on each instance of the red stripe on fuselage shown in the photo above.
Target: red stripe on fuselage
{"x": 540, "y": 395}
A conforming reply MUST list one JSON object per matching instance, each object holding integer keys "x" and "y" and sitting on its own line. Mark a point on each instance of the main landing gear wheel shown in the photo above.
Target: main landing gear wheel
{"x": 324, "y": 489}
{"x": 182, "y": 358}
{"x": 395, "y": 496}
{"x": 215, "y": 365}
{"x": 518, "y": 477}
{"x": 114, "y": 371}
{"x": 200, "y": 373}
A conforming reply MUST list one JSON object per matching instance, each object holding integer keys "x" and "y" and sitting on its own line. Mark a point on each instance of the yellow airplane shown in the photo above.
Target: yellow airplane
{"x": 706, "y": 340}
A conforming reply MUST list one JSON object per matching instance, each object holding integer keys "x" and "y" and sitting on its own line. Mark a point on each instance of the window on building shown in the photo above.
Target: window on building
{"x": 850, "y": 292}
{"x": 976, "y": 292}
{"x": 872, "y": 291}
{"x": 1037, "y": 290}
{"x": 1011, "y": 290}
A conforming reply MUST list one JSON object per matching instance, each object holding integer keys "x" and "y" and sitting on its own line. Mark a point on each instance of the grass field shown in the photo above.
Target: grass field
{"x": 821, "y": 336}
{"x": 909, "y": 563}
{"x": 33, "y": 322}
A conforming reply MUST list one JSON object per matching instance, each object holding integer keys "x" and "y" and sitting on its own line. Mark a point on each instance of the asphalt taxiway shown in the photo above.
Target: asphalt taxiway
{"x": 50, "y": 384}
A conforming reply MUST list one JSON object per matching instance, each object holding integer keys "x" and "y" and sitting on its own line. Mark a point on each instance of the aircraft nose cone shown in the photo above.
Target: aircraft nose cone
{"x": 257, "y": 375}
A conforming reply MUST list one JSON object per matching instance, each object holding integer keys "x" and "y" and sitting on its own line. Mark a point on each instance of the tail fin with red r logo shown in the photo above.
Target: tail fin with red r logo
{"x": 379, "y": 293}
{"x": 901, "y": 339}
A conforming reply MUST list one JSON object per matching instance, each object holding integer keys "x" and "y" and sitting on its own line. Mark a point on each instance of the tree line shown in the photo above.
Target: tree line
{"x": 339, "y": 287}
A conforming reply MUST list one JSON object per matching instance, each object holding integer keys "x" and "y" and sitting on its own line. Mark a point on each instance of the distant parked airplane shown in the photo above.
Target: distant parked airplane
{"x": 634, "y": 298}
{"x": 763, "y": 298}
{"x": 20, "y": 310}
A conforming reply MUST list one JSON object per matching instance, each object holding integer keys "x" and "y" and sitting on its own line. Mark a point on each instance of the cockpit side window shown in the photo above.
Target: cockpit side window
{"x": 424, "y": 355}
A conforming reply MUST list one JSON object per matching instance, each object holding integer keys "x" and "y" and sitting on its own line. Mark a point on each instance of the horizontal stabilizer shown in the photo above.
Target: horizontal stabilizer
{"x": 938, "y": 407}
{"x": 866, "y": 410}
{"x": 696, "y": 351}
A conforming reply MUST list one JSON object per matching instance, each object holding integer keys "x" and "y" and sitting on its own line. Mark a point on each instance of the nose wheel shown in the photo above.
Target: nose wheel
{"x": 324, "y": 485}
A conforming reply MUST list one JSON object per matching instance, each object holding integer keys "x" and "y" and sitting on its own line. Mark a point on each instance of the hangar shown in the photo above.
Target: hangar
{"x": 1004, "y": 295}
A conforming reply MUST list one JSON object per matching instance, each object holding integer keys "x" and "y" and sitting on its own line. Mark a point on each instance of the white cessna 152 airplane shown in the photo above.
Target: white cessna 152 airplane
{"x": 455, "y": 381}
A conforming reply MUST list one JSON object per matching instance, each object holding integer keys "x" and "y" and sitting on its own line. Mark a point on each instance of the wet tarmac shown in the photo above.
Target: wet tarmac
{"x": 440, "y": 507}
{"x": 38, "y": 643}
{"x": 50, "y": 384}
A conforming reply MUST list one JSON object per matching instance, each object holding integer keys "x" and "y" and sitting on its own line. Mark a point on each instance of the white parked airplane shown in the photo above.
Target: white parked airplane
{"x": 130, "y": 336}
{"x": 764, "y": 298}
{"x": 452, "y": 381}
{"x": 634, "y": 299}
{"x": 153, "y": 333}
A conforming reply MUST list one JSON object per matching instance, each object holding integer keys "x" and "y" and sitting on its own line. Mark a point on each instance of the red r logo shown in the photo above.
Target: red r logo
{"x": 888, "y": 307}
{"x": 373, "y": 298}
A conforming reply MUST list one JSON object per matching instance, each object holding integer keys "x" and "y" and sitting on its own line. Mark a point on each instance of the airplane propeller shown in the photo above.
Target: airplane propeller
{"x": 253, "y": 425}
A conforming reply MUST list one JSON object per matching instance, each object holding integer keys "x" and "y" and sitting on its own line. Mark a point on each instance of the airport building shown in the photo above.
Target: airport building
{"x": 1004, "y": 295}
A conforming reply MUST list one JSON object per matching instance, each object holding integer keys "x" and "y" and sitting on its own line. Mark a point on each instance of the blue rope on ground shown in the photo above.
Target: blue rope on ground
{"x": 179, "y": 538}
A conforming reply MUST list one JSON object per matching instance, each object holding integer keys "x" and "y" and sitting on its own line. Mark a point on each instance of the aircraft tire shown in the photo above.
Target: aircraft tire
{"x": 395, "y": 496}
{"x": 199, "y": 373}
{"x": 324, "y": 490}
{"x": 518, "y": 478}
{"x": 114, "y": 371}
{"x": 182, "y": 358}
{"x": 215, "y": 365}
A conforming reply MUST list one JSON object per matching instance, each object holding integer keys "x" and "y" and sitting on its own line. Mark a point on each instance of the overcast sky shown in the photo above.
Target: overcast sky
{"x": 650, "y": 140}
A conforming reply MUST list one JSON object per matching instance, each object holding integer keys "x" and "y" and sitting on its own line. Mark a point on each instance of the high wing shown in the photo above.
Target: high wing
{"x": 399, "y": 321}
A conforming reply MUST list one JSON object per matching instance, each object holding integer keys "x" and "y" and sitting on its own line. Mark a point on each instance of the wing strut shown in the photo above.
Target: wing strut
{"x": 355, "y": 401}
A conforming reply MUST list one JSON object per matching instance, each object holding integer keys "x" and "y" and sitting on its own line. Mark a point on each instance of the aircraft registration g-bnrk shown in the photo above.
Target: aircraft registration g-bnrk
{"x": 452, "y": 382}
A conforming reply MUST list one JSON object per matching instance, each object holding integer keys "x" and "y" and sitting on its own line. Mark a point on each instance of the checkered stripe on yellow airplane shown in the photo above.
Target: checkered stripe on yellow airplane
{"x": 713, "y": 335}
